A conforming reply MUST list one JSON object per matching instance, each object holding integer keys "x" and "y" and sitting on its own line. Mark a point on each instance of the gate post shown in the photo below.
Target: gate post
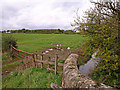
{"x": 34, "y": 60}
{"x": 56, "y": 58}
{"x": 41, "y": 60}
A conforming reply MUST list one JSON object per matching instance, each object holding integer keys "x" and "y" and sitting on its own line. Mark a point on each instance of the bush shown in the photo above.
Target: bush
{"x": 104, "y": 33}
{"x": 7, "y": 41}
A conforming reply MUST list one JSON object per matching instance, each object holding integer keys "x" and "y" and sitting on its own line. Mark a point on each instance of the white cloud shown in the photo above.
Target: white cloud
{"x": 35, "y": 14}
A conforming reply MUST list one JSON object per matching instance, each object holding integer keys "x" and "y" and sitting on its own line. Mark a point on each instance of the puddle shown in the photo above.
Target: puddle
{"x": 90, "y": 65}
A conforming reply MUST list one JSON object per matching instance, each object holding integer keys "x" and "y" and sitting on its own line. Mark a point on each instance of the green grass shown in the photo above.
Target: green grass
{"x": 11, "y": 66}
{"x": 81, "y": 63}
{"x": 33, "y": 42}
{"x": 31, "y": 78}
{"x": 36, "y": 77}
{"x": 6, "y": 56}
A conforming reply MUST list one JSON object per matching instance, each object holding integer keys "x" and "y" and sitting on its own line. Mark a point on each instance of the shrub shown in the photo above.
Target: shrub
{"x": 7, "y": 41}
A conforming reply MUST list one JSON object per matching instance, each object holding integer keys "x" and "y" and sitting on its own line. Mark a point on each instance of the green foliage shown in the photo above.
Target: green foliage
{"x": 103, "y": 28}
{"x": 31, "y": 78}
{"x": 106, "y": 39}
{"x": 7, "y": 41}
{"x": 81, "y": 63}
{"x": 108, "y": 68}
{"x": 61, "y": 61}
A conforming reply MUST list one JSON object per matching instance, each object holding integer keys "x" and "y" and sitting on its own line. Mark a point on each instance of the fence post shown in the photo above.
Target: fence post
{"x": 48, "y": 63}
{"x": 56, "y": 58}
{"x": 34, "y": 60}
{"x": 41, "y": 60}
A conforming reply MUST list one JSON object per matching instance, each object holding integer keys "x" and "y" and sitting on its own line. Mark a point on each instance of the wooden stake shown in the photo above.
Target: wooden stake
{"x": 41, "y": 60}
{"x": 56, "y": 57}
{"x": 34, "y": 60}
{"x": 48, "y": 64}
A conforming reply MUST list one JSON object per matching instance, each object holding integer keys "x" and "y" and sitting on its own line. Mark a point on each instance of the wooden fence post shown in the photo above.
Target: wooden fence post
{"x": 48, "y": 64}
{"x": 56, "y": 58}
{"x": 41, "y": 60}
{"x": 34, "y": 60}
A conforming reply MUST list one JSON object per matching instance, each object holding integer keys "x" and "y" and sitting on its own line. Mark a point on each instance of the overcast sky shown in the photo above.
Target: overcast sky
{"x": 40, "y": 14}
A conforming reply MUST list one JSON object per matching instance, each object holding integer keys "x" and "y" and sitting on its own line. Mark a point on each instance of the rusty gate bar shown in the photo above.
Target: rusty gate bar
{"x": 25, "y": 53}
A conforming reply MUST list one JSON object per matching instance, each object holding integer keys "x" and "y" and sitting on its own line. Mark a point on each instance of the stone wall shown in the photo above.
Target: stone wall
{"x": 72, "y": 77}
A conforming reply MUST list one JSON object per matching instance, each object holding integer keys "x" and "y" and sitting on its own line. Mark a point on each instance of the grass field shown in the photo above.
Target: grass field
{"x": 33, "y": 42}
{"x": 36, "y": 77}
{"x": 31, "y": 78}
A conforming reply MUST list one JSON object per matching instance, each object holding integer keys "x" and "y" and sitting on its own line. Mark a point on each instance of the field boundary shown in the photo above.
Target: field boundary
{"x": 49, "y": 63}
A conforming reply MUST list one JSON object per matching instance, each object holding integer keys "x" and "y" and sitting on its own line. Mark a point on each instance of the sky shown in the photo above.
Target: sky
{"x": 40, "y": 14}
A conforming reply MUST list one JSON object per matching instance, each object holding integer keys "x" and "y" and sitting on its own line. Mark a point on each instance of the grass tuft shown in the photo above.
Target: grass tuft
{"x": 31, "y": 78}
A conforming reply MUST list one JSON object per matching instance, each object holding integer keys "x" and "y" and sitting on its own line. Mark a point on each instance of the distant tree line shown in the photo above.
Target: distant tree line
{"x": 42, "y": 31}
